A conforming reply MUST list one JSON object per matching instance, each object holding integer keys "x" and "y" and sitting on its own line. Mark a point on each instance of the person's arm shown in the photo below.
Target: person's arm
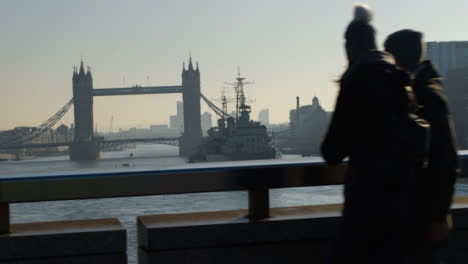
{"x": 444, "y": 171}
{"x": 335, "y": 146}
{"x": 445, "y": 176}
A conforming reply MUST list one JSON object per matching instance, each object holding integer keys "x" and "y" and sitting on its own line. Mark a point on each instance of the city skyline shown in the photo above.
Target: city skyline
{"x": 288, "y": 49}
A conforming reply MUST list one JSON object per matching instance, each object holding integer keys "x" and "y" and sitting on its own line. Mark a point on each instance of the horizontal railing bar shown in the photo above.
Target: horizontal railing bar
{"x": 191, "y": 179}
{"x": 190, "y": 168}
{"x": 126, "y": 184}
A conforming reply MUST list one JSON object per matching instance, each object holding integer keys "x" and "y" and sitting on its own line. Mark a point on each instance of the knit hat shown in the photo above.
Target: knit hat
{"x": 407, "y": 46}
{"x": 360, "y": 35}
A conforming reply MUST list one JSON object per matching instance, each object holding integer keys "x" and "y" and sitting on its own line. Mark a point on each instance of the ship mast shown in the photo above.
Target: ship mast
{"x": 224, "y": 100}
{"x": 240, "y": 95}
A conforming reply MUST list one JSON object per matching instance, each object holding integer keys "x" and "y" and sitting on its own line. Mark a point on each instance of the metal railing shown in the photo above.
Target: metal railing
{"x": 257, "y": 179}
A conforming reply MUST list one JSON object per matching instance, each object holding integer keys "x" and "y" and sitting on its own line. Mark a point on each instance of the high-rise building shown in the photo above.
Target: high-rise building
{"x": 177, "y": 121}
{"x": 180, "y": 110}
{"x": 206, "y": 122}
{"x": 448, "y": 55}
{"x": 173, "y": 124}
{"x": 264, "y": 116}
{"x": 451, "y": 60}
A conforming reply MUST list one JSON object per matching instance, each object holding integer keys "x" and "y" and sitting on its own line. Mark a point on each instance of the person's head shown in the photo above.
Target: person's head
{"x": 408, "y": 48}
{"x": 360, "y": 35}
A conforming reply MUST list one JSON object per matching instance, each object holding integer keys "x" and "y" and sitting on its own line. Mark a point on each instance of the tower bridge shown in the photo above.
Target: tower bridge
{"x": 85, "y": 145}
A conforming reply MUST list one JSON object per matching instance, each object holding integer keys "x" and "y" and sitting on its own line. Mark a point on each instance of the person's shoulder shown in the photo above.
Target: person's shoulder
{"x": 427, "y": 74}
{"x": 428, "y": 81}
{"x": 373, "y": 69}
{"x": 377, "y": 57}
{"x": 374, "y": 63}
{"x": 428, "y": 87}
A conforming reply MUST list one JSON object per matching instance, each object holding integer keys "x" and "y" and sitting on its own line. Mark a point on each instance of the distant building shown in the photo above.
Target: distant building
{"x": 206, "y": 122}
{"x": 449, "y": 55}
{"x": 162, "y": 131}
{"x": 180, "y": 110}
{"x": 46, "y": 136}
{"x": 177, "y": 121}
{"x": 173, "y": 122}
{"x": 451, "y": 60}
{"x": 63, "y": 133}
{"x": 308, "y": 125}
{"x": 264, "y": 117}
{"x": 158, "y": 127}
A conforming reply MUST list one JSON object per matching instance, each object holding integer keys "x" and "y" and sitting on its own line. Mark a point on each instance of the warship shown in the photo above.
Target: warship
{"x": 236, "y": 137}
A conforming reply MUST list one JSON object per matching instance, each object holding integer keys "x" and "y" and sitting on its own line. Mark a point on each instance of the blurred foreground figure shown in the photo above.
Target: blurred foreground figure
{"x": 374, "y": 225}
{"x": 432, "y": 192}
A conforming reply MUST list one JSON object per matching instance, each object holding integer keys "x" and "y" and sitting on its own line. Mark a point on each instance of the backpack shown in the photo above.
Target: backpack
{"x": 411, "y": 133}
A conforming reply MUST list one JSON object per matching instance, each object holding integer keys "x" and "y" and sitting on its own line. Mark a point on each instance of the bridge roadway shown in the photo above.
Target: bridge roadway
{"x": 63, "y": 144}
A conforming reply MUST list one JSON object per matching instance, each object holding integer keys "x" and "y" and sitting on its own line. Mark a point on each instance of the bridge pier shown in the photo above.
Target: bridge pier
{"x": 84, "y": 151}
{"x": 85, "y": 143}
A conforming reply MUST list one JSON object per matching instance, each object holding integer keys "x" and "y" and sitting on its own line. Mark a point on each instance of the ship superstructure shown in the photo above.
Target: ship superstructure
{"x": 239, "y": 137}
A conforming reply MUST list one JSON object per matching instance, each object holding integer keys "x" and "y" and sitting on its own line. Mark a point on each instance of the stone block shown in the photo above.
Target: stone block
{"x": 295, "y": 234}
{"x": 297, "y": 252}
{"x": 458, "y": 239}
{"x": 65, "y": 240}
{"x": 459, "y": 215}
{"x": 120, "y": 258}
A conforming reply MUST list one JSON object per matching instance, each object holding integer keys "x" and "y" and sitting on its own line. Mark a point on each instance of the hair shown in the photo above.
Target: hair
{"x": 362, "y": 12}
{"x": 407, "y": 46}
{"x": 360, "y": 35}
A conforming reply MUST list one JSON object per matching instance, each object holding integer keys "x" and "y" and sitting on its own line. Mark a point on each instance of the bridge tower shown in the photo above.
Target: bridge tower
{"x": 192, "y": 136}
{"x": 84, "y": 145}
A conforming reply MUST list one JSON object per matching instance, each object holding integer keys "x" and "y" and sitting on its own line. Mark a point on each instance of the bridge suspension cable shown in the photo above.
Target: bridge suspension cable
{"x": 50, "y": 123}
{"x": 55, "y": 118}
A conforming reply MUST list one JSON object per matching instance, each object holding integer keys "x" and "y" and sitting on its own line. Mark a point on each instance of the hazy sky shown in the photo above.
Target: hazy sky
{"x": 289, "y": 48}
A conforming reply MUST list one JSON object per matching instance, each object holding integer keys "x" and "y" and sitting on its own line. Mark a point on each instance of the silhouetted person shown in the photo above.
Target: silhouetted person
{"x": 375, "y": 215}
{"x": 432, "y": 192}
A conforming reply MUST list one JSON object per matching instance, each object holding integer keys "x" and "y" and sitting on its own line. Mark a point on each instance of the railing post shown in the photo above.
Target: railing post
{"x": 259, "y": 204}
{"x": 4, "y": 218}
